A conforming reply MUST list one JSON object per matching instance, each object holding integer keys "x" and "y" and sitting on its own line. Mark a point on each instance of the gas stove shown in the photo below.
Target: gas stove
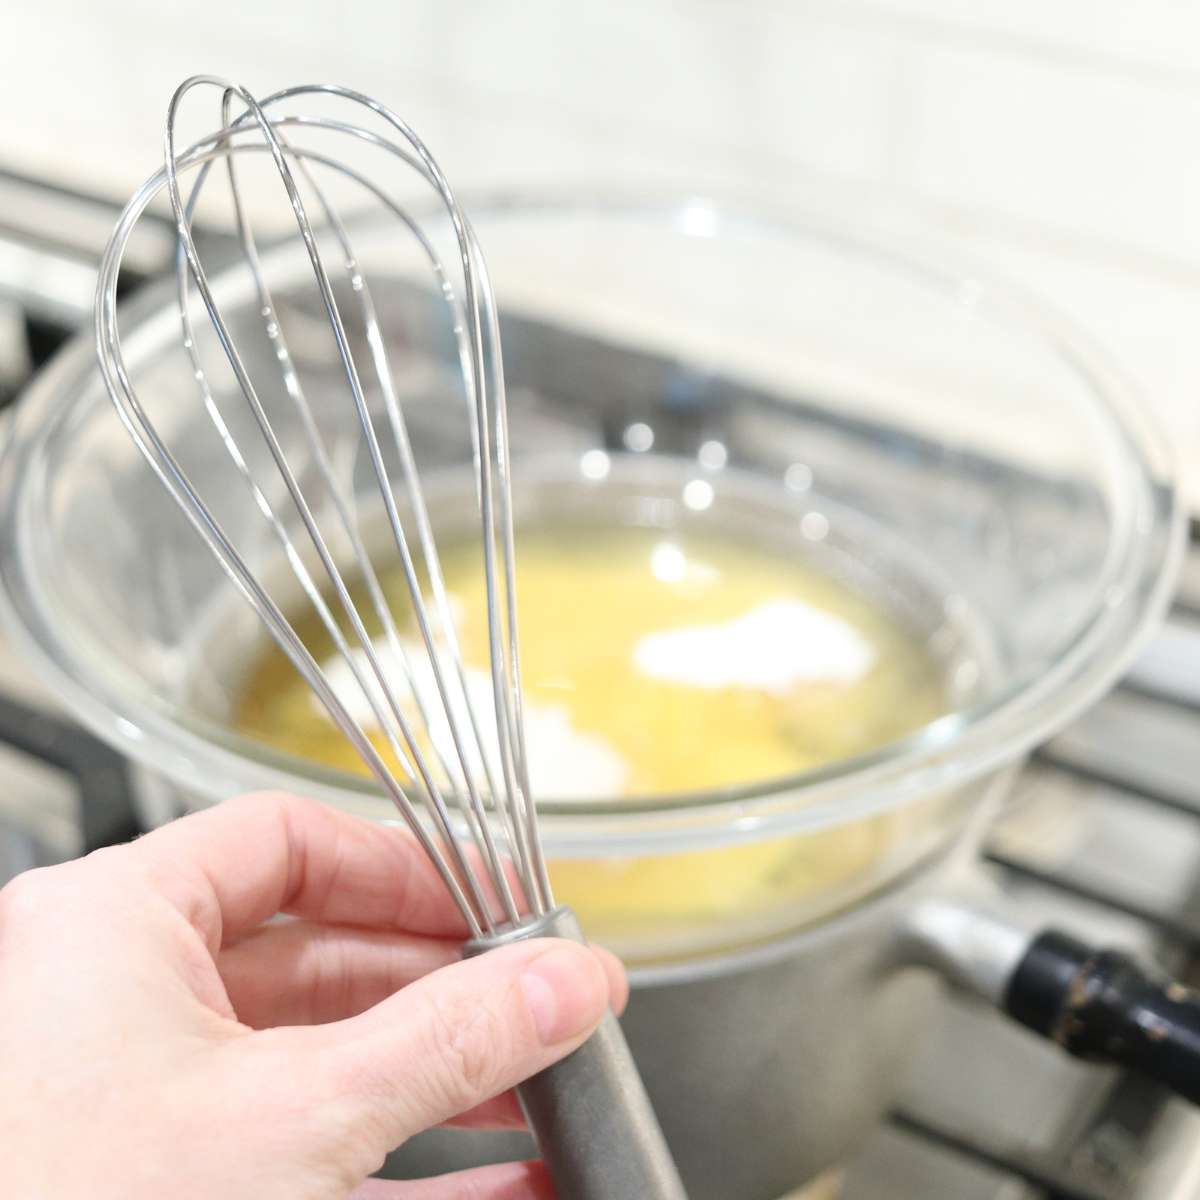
{"x": 1102, "y": 836}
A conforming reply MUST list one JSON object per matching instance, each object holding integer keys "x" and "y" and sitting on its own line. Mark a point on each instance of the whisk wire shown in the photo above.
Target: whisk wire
{"x": 505, "y": 663}
{"x": 476, "y": 333}
{"x": 295, "y": 391}
{"x": 516, "y": 802}
{"x": 505, "y": 666}
{"x": 415, "y": 493}
{"x": 394, "y": 411}
{"x": 292, "y": 385}
{"x": 589, "y": 1112}
{"x": 303, "y": 508}
{"x": 170, "y": 473}
{"x": 360, "y": 289}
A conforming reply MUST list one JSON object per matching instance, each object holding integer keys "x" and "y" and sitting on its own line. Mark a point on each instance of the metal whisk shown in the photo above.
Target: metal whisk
{"x": 455, "y": 787}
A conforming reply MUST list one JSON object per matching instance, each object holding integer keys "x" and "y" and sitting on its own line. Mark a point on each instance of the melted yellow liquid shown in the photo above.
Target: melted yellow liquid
{"x": 594, "y": 607}
{"x": 590, "y": 605}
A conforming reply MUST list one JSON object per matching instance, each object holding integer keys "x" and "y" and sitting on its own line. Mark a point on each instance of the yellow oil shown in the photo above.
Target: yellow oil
{"x": 589, "y": 602}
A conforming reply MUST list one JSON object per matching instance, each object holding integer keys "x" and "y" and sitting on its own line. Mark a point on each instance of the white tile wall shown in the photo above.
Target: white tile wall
{"x": 1058, "y": 140}
{"x": 1153, "y": 37}
{"x": 1109, "y": 156}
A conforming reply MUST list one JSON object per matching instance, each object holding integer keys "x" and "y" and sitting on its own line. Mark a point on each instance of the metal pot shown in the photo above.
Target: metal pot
{"x": 769, "y": 1065}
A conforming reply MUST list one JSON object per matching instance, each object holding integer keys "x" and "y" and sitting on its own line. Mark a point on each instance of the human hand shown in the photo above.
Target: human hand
{"x": 158, "y": 1038}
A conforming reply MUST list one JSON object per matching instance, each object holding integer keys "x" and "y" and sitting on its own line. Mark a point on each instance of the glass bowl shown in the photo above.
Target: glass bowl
{"x": 925, "y": 433}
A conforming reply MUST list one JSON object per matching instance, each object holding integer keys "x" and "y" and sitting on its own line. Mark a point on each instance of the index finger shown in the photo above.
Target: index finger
{"x": 231, "y": 867}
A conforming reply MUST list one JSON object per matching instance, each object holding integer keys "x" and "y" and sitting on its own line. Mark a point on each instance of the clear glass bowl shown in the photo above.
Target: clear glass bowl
{"x": 947, "y": 440}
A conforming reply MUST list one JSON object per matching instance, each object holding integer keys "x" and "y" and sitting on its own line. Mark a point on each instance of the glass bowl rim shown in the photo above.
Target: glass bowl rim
{"x": 951, "y": 750}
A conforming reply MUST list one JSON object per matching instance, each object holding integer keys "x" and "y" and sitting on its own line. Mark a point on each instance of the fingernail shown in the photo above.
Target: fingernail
{"x": 566, "y": 992}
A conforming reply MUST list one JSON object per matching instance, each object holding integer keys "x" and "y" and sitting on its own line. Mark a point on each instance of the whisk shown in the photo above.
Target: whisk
{"x": 463, "y": 781}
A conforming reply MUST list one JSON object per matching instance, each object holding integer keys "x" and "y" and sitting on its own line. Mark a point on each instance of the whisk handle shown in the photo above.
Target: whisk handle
{"x": 594, "y": 1125}
{"x": 589, "y": 1112}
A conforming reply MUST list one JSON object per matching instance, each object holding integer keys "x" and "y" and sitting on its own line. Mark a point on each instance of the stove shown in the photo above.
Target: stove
{"x": 1102, "y": 836}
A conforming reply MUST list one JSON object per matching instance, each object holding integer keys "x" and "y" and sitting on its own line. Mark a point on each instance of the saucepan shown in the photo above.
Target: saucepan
{"x": 939, "y": 441}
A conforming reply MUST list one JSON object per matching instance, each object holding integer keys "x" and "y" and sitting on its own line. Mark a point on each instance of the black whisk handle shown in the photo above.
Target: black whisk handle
{"x": 1101, "y": 1005}
{"x": 589, "y": 1112}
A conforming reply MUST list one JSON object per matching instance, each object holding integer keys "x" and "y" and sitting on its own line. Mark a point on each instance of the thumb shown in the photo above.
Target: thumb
{"x": 454, "y": 1038}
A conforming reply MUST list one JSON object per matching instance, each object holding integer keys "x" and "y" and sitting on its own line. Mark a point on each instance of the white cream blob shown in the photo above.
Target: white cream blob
{"x": 564, "y": 762}
{"x": 771, "y": 648}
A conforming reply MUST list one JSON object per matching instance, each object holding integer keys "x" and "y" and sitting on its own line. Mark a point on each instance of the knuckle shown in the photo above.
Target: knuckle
{"x": 456, "y": 1052}
{"x": 469, "y": 1049}
{"x": 26, "y": 897}
{"x": 279, "y": 804}
{"x": 361, "y": 1117}
{"x": 338, "y": 1139}
{"x": 265, "y": 798}
{"x": 353, "y": 1140}
{"x": 110, "y": 863}
{"x": 333, "y": 979}
{"x": 263, "y": 808}
{"x": 62, "y": 895}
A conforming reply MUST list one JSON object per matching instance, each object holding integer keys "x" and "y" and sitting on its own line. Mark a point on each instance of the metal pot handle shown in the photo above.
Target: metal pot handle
{"x": 1098, "y": 1004}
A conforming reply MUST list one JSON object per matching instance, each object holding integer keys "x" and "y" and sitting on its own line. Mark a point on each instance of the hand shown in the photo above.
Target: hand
{"x": 159, "y": 1039}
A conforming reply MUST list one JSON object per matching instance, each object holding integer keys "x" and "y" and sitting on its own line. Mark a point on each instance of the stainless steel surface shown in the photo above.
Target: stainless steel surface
{"x": 592, "y": 1145}
{"x": 1105, "y": 843}
{"x": 590, "y": 1114}
{"x": 48, "y": 282}
{"x": 769, "y": 1071}
{"x": 975, "y": 950}
{"x": 15, "y": 364}
{"x": 50, "y": 243}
